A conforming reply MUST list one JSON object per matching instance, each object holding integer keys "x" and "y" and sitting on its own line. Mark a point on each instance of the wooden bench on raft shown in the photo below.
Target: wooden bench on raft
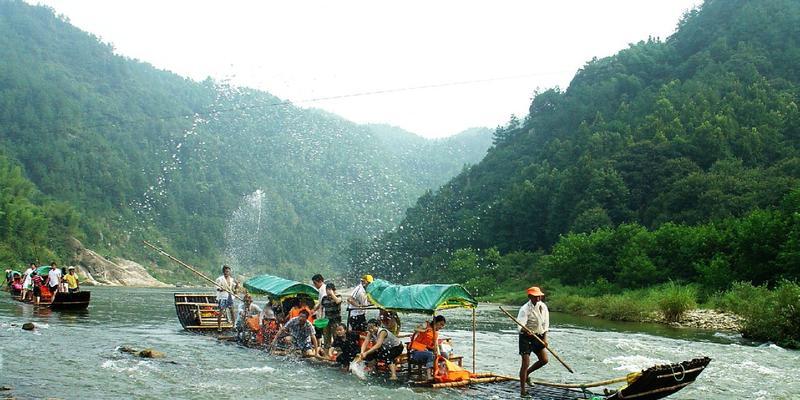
{"x": 206, "y": 316}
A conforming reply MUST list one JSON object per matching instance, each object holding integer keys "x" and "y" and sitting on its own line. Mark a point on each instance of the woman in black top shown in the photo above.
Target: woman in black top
{"x": 346, "y": 343}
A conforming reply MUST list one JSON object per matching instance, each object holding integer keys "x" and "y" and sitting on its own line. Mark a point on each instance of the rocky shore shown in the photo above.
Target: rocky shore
{"x": 95, "y": 269}
{"x": 705, "y": 319}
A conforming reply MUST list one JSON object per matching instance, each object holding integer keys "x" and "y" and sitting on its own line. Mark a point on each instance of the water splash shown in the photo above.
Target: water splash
{"x": 243, "y": 232}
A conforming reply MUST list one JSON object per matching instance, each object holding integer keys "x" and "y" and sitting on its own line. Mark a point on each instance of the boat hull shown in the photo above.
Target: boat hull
{"x": 76, "y": 301}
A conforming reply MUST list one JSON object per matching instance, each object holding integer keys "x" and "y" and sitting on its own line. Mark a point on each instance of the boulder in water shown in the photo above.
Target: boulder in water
{"x": 126, "y": 349}
{"x": 150, "y": 353}
{"x": 28, "y": 326}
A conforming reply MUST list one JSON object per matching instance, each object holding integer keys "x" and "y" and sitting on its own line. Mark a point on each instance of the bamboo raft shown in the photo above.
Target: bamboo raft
{"x": 62, "y": 301}
{"x": 197, "y": 312}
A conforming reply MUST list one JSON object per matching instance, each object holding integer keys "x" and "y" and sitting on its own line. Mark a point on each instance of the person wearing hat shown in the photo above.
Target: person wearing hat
{"x": 358, "y": 301}
{"x": 534, "y": 316}
{"x": 72, "y": 280}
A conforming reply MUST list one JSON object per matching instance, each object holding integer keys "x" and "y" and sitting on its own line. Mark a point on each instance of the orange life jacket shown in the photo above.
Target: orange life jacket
{"x": 252, "y": 323}
{"x": 295, "y": 311}
{"x": 425, "y": 340}
{"x": 445, "y": 370}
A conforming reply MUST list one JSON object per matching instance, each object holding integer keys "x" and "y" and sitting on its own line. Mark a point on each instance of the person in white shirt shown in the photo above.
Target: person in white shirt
{"x": 358, "y": 300}
{"x": 53, "y": 279}
{"x": 319, "y": 284}
{"x": 536, "y": 318}
{"x": 226, "y": 288}
{"x": 27, "y": 283}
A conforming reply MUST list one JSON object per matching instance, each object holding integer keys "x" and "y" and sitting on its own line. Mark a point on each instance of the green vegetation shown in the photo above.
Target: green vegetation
{"x": 29, "y": 221}
{"x": 147, "y": 154}
{"x": 772, "y": 315}
{"x": 671, "y": 161}
{"x": 674, "y": 300}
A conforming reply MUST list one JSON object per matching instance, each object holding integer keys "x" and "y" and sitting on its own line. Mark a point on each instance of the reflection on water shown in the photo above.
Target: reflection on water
{"x": 78, "y": 353}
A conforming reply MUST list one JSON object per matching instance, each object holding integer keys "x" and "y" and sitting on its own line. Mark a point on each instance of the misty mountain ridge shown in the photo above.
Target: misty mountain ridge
{"x": 117, "y": 151}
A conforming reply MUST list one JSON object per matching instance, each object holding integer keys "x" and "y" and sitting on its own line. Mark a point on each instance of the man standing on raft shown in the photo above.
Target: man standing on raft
{"x": 535, "y": 316}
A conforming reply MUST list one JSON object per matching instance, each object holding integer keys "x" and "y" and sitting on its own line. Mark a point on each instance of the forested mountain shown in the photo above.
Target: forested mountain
{"x": 113, "y": 150}
{"x": 672, "y": 159}
{"x": 434, "y": 162}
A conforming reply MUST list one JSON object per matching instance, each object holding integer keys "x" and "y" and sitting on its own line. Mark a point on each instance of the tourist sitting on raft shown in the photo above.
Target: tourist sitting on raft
{"x": 248, "y": 322}
{"x": 300, "y": 335}
{"x": 16, "y": 283}
{"x": 345, "y": 345}
{"x": 390, "y": 320}
{"x": 385, "y": 347}
{"x": 302, "y": 304}
{"x": 424, "y": 345}
{"x": 269, "y": 324}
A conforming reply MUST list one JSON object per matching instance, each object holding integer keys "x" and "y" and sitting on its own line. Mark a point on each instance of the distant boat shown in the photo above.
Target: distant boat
{"x": 62, "y": 301}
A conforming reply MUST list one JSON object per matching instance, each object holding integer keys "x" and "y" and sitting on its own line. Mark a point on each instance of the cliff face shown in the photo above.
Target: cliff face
{"x": 99, "y": 270}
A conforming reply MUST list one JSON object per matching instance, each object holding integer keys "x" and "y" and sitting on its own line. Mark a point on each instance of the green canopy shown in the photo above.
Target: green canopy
{"x": 418, "y": 298}
{"x": 43, "y": 270}
{"x": 279, "y": 287}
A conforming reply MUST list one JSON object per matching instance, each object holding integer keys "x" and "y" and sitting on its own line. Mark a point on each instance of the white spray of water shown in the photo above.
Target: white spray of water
{"x": 243, "y": 232}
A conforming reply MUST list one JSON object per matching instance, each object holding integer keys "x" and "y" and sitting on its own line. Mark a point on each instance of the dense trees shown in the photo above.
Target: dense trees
{"x": 144, "y": 153}
{"x": 671, "y": 160}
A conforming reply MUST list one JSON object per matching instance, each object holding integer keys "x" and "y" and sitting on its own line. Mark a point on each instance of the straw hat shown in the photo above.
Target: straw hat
{"x": 535, "y": 291}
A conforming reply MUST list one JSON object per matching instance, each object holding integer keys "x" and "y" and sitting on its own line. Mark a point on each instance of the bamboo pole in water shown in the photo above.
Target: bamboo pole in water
{"x": 473, "y": 340}
{"x": 527, "y": 331}
{"x": 189, "y": 267}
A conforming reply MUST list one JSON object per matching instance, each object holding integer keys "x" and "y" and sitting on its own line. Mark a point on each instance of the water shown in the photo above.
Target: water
{"x": 243, "y": 232}
{"x": 75, "y": 356}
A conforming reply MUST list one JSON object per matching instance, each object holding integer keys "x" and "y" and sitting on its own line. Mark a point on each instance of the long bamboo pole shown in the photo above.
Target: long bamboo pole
{"x": 474, "y": 352}
{"x": 628, "y": 378}
{"x": 189, "y": 267}
{"x": 527, "y": 331}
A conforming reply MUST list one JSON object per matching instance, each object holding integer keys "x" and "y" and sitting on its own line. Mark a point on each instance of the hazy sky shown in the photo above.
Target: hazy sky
{"x": 300, "y": 50}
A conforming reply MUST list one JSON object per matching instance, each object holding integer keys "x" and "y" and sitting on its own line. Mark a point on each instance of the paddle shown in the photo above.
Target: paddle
{"x": 165, "y": 254}
{"x": 528, "y": 332}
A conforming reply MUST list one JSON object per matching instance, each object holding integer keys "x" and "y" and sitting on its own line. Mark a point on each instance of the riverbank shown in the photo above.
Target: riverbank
{"x": 757, "y": 312}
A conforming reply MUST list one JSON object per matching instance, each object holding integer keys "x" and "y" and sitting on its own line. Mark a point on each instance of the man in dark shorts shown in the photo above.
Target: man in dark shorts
{"x": 226, "y": 289}
{"x": 536, "y": 318}
{"x": 358, "y": 302}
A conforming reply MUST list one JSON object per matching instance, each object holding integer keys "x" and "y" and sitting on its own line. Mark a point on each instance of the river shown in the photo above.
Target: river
{"x": 75, "y": 356}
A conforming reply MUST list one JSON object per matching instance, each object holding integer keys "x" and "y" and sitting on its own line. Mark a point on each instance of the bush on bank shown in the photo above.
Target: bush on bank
{"x": 770, "y": 315}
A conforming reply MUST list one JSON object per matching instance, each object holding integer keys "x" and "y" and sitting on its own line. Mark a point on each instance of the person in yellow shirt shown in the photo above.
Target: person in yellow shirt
{"x": 72, "y": 281}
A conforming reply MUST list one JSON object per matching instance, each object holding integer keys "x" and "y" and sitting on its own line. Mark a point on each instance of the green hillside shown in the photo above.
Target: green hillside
{"x": 671, "y": 160}
{"x": 130, "y": 152}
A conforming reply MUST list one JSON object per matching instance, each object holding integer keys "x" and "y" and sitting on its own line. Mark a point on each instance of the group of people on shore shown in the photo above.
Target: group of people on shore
{"x": 317, "y": 328}
{"x": 32, "y": 286}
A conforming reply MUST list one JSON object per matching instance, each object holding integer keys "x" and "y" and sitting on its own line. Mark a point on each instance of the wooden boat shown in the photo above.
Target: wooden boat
{"x": 198, "y": 312}
{"x": 653, "y": 383}
{"x": 62, "y": 301}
